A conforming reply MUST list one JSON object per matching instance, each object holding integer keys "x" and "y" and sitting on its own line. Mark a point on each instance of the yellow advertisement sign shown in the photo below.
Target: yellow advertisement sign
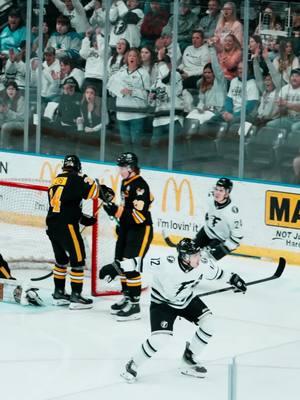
{"x": 48, "y": 172}
{"x": 282, "y": 209}
{"x": 177, "y": 194}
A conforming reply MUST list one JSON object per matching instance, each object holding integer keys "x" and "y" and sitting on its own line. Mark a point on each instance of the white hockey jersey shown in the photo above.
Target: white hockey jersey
{"x": 172, "y": 286}
{"x": 224, "y": 223}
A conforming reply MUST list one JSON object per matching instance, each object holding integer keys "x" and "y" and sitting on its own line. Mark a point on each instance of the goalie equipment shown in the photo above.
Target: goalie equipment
{"x": 87, "y": 220}
{"x": 225, "y": 183}
{"x": 106, "y": 194}
{"x": 238, "y": 283}
{"x": 33, "y": 297}
{"x": 190, "y": 366}
{"x": 71, "y": 163}
{"x": 127, "y": 159}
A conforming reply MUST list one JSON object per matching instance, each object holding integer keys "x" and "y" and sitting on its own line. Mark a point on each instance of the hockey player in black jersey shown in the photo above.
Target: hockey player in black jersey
{"x": 65, "y": 196}
{"x": 135, "y": 233}
{"x": 175, "y": 279}
{"x": 222, "y": 230}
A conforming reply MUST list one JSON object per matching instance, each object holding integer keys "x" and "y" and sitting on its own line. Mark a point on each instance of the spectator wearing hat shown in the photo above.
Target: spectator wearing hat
{"x": 50, "y": 69}
{"x": 92, "y": 50}
{"x": 75, "y": 11}
{"x": 69, "y": 106}
{"x": 187, "y": 22}
{"x": 90, "y": 108}
{"x": 65, "y": 41}
{"x": 126, "y": 19}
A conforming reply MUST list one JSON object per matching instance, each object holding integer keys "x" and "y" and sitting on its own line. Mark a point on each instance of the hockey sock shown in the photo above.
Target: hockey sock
{"x": 153, "y": 344}
{"x": 59, "y": 273}
{"x": 134, "y": 286}
{"x": 76, "y": 278}
{"x": 124, "y": 284}
{"x": 202, "y": 335}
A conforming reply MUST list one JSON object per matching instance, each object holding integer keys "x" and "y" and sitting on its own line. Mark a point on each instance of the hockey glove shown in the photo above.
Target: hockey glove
{"x": 106, "y": 194}
{"x": 110, "y": 271}
{"x": 33, "y": 297}
{"x": 219, "y": 251}
{"x": 111, "y": 209}
{"x": 87, "y": 220}
{"x": 238, "y": 283}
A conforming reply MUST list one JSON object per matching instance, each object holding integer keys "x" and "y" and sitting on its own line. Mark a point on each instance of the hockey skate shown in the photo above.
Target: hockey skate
{"x": 115, "y": 308}
{"x": 77, "y": 302}
{"x": 130, "y": 372}
{"x": 60, "y": 298}
{"x": 190, "y": 366}
{"x": 130, "y": 312}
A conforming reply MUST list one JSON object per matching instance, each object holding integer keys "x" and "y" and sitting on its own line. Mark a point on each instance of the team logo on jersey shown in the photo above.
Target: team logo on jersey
{"x": 164, "y": 324}
{"x": 235, "y": 210}
{"x": 171, "y": 259}
{"x": 140, "y": 191}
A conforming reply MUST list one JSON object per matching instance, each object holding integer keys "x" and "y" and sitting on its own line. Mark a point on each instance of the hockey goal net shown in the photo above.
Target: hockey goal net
{"x": 25, "y": 244}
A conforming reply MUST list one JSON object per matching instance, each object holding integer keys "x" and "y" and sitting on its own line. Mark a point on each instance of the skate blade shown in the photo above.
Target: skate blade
{"x": 128, "y": 377}
{"x": 129, "y": 318}
{"x": 192, "y": 373}
{"x": 60, "y": 302}
{"x": 78, "y": 306}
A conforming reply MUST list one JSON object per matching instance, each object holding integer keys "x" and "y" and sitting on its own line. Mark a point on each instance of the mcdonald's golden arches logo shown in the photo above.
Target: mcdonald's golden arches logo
{"x": 178, "y": 189}
{"x": 49, "y": 172}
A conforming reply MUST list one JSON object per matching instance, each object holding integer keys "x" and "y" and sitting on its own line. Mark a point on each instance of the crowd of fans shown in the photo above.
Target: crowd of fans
{"x": 208, "y": 61}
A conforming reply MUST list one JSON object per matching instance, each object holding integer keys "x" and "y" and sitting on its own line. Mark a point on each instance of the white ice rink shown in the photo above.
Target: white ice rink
{"x": 53, "y": 353}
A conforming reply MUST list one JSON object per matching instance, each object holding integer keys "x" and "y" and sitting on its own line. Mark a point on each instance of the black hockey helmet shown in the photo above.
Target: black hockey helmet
{"x": 71, "y": 163}
{"x": 127, "y": 159}
{"x": 186, "y": 247}
{"x": 225, "y": 183}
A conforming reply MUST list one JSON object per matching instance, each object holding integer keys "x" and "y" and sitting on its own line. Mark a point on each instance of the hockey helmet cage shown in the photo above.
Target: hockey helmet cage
{"x": 225, "y": 183}
{"x": 127, "y": 159}
{"x": 71, "y": 163}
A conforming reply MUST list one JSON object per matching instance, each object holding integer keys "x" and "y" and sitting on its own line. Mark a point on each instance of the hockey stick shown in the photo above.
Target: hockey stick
{"x": 41, "y": 278}
{"x": 167, "y": 239}
{"x": 277, "y": 274}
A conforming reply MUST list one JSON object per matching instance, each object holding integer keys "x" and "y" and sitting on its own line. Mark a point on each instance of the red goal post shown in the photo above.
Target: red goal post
{"x": 23, "y": 210}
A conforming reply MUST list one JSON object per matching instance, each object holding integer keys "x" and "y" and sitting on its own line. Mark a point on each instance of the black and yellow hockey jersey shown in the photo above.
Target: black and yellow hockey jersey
{"x": 65, "y": 196}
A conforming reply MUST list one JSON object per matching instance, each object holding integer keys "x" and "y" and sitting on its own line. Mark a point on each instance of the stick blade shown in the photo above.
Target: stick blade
{"x": 281, "y": 266}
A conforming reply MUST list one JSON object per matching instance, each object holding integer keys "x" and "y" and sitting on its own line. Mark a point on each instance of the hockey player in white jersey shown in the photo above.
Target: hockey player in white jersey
{"x": 222, "y": 230}
{"x": 175, "y": 279}
{"x": 15, "y": 291}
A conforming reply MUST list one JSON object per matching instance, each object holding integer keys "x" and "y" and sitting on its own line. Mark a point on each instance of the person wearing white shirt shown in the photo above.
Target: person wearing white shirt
{"x": 74, "y": 10}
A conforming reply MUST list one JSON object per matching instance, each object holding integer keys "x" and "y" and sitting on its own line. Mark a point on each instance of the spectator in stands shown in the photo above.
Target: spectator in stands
{"x": 65, "y": 41}
{"x": 153, "y": 23}
{"x": 255, "y": 51}
{"x": 126, "y": 20}
{"x": 229, "y": 56}
{"x": 208, "y": 23}
{"x": 229, "y": 24}
{"x": 233, "y": 102}
{"x": 194, "y": 58}
{"x": 75, "y": 12}
{"x": 97, "y": 19}
{"x": 164, "y": 47}
{"x": 69, "y": 106}
{"x": 46, "y": 36}
{"x": 90, "y": 119}
{"x": 148, "y": 59}
{"x": 286, "y": 60}
{"x": 68, "y": 69}
{"x": 187, "y": 22}
{"x": 212, "y": 92}
{"x": 11, "y": 108}
{"x": 267, "y": 21}
{"x": 51, "y": 68}
{"x": 92, "y": 50}
{"x": 15, "y": 69}
{"x": 289, "y": 105}
{"x": 160, "y": 99}
{"x": 118, "y": 59}
{"x": 131, "y": 85}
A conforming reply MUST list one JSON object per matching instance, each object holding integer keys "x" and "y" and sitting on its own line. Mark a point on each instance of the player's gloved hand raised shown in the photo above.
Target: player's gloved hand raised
{"x": 87, "y": 220}
{"x": 238, "y": 283}
{"x": 111, "y": 209}
{"x": 110, "y": 271}
{"x": 106, "y": 194}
